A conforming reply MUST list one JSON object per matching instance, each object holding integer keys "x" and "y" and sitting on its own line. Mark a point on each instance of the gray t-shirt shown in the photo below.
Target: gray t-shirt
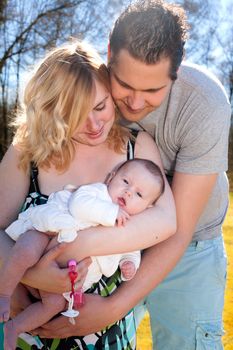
{"x": 191, "y": 130}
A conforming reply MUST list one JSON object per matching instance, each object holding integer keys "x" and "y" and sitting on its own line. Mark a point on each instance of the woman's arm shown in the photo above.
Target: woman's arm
{"x": 13, "y": 189}
{"x": 14, "y": 185}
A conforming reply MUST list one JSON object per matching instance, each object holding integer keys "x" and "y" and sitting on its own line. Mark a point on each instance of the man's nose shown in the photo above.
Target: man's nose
{"x": 136, "y": 100}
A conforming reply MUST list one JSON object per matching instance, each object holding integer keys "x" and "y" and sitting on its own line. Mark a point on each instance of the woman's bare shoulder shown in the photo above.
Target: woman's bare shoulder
{"x": 146, "y": 147}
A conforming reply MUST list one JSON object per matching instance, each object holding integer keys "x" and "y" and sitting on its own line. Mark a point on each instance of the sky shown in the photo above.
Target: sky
{"x": 102, "y": 46}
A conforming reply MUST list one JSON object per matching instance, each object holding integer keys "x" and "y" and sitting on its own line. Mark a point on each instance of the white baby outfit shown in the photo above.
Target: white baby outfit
{"x": 67, "y": 212}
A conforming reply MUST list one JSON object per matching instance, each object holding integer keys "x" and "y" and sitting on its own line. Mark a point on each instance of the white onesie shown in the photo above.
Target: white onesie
{"x": 68, "y": 212}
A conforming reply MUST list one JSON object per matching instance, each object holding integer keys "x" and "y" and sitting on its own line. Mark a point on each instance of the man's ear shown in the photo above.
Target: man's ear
{"x": 109, "y": 177}
{"x": 109, "y": 52}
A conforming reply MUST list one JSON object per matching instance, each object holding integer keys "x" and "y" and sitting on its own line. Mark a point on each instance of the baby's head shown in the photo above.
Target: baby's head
{"x": 136, "y": 185}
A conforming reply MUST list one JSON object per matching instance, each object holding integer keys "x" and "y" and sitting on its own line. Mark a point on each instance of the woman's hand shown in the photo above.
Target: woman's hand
{"x": 93, "y": 317}
{"x": 47, "y": 275}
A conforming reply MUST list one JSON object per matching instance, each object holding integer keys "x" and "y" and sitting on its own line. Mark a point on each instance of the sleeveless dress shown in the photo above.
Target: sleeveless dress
{"x": 118, "y": 336}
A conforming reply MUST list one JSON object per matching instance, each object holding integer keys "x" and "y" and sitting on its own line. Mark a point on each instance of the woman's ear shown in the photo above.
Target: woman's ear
{"x": 109, "y": 177}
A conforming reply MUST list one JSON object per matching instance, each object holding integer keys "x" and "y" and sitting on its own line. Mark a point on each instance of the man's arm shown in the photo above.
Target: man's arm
{"x": 191, "y": 193}
{"x": 138, "y": 233}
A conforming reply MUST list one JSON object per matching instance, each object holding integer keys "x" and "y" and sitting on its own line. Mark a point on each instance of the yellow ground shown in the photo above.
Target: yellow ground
{"x": 144, "y": 336}
{"x": 228, "y": 310}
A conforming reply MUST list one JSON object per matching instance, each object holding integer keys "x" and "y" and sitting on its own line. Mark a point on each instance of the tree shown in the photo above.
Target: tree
{"x": 203, "y": 20}
{"x": 211, "y": 44}
{"x": 28, "y": 29}
{"x": 225, "y": 64}
{"x": 211, "y": 38}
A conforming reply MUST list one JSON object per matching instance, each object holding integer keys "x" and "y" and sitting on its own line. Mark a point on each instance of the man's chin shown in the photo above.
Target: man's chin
{"x": 134, "y": 116}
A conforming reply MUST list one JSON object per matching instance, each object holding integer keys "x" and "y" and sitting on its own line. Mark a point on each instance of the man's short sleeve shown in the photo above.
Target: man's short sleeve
{"x": 203, "y": 140}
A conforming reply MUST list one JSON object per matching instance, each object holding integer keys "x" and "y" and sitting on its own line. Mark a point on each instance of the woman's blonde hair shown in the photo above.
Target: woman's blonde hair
{"x": 57, "y": 100}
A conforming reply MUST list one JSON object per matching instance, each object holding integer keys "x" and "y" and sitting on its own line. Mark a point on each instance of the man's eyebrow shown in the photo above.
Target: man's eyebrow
{"x": 121, "y": 82}
{"x": 127, "y": 86}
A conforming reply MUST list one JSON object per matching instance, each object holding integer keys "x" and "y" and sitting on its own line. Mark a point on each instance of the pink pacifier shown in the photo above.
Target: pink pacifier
{"x": 75, "y": 298}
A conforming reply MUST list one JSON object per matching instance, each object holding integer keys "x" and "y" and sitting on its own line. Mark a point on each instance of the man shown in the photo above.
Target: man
{"x": 186, "y": 111}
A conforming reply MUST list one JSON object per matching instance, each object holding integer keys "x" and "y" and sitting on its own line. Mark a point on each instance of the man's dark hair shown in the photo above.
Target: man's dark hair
{"x": 152, "y": 167}
{"x": 151, "y": 30}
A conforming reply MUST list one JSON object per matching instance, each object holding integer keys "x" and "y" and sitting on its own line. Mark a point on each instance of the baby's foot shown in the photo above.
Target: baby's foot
{"x": 4, "y": 308}
{"x": 10, "y": 336}
{"x": 128, "y": 270}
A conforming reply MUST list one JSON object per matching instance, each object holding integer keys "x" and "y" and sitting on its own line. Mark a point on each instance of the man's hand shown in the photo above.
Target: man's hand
{"x": 93, "y": 317}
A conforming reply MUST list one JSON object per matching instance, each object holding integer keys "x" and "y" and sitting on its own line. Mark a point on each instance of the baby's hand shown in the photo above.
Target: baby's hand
{"x": 128, "y": 270}
{"x": 122, "y": 217}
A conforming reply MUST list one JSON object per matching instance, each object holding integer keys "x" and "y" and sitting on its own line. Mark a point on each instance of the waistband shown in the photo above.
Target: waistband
{"x": 208, "y": 233}
{"x": 206, "y": 243}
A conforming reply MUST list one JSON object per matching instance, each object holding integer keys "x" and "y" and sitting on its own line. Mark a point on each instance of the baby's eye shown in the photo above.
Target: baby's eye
{"x": 126, "y": 181}
{"x": 139, "y": 194}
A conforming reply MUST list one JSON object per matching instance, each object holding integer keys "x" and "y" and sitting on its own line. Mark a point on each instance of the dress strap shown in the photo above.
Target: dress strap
{"x": 131, "y": 144}
{"x": 34, "y": 186}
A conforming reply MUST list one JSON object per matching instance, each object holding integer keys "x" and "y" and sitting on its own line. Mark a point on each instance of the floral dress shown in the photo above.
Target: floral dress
{"x": 118, "y": 336}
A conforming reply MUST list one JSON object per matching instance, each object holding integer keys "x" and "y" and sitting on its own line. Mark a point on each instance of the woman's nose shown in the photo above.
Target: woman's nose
{"x": 93, "y": 123}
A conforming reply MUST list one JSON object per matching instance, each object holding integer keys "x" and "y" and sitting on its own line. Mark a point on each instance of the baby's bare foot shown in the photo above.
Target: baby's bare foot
{"x": 10, "y": 336}
{"x": 128, "y": 270}
{"x": 4, "y": 308}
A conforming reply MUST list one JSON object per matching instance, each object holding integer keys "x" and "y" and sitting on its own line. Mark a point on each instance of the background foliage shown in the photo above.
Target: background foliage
{"x": 29, "y": 28}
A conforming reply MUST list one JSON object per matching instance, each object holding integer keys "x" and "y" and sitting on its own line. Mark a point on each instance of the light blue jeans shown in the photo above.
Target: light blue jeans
{"x": 186, "y": 308}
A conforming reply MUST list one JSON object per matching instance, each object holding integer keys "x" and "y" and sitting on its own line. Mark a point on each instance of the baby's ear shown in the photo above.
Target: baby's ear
{"x": 109, "y": 177}
{"x": 150, "y": 206}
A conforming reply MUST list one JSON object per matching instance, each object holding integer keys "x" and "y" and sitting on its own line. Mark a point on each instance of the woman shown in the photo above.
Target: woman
{"x": 67, "y": 134}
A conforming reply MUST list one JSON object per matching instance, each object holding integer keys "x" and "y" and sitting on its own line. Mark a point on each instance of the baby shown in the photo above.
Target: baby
{"x": 135, "y": 186}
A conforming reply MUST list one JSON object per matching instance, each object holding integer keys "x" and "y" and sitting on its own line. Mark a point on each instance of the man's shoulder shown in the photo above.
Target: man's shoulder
{"x": 200, "y": 80}
{"x": 192, "y": 72}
